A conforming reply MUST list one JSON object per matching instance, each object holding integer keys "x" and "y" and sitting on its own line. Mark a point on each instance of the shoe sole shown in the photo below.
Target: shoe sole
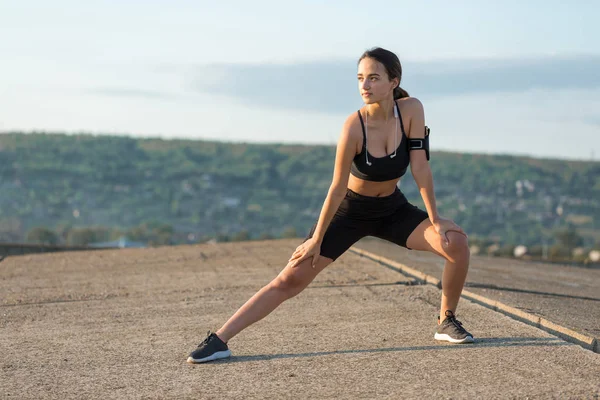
{"x": 212, "y": 357}
{"x": 447, "y": 338}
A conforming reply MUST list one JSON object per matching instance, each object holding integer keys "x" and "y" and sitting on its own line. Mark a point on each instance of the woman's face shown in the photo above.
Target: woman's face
{"x": 373, "y": 82}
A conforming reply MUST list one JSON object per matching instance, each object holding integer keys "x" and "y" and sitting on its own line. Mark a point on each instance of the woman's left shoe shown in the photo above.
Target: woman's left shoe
{"x": 451, "y": 330}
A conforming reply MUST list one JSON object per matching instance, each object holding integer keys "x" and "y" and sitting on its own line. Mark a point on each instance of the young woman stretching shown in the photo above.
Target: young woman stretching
{"x": 375, "y": 147}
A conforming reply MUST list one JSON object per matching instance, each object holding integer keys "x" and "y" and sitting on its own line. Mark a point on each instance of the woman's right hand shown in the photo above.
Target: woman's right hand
{"x": 310, "y": 248}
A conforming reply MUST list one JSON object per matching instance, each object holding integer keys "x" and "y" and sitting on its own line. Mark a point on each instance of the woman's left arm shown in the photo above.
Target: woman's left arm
{"x": 421, "y": 172}
{"x": 419, "y": 165}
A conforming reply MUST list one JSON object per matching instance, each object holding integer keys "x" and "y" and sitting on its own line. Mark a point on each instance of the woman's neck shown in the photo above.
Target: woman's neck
{"x": 382, "y": 110}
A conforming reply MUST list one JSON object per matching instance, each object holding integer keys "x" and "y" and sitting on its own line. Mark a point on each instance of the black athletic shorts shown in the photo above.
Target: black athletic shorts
{"x": 390, "y": 217}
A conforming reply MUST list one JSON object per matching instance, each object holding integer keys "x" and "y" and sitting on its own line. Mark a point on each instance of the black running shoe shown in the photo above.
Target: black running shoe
{"x": 211, "y": 348}
{"x": 451, "y": 330}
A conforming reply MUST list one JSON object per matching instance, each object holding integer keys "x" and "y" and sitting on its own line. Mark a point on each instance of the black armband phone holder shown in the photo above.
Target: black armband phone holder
{"x": 420, "y": 144}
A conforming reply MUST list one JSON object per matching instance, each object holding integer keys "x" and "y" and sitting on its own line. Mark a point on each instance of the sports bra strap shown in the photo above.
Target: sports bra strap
{"x": 362, "y": 124}
{"x": 400, "y": 118}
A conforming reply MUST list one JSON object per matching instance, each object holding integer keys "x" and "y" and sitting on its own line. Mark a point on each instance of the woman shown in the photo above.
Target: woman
{"x": 373, "y": 152}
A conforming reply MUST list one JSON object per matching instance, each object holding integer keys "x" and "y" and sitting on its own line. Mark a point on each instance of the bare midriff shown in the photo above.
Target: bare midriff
{"x": 372, "y": 188}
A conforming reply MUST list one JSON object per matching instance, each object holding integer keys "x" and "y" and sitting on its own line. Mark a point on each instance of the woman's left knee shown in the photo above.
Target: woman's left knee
{"x": 458, "y": 247}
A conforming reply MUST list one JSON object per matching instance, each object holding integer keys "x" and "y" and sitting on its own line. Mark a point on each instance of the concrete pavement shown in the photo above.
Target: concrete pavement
{"x": 120, "y": 324}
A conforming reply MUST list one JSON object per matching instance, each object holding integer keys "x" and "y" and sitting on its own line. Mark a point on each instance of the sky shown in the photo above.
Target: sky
{"x": 503, "y": 78}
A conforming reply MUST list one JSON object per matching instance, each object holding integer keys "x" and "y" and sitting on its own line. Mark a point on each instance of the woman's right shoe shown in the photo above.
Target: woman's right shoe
{"x": 211, "y": 348}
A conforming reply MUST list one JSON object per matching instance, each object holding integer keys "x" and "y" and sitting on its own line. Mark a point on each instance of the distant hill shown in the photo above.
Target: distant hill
{"x": 205, "y": 188}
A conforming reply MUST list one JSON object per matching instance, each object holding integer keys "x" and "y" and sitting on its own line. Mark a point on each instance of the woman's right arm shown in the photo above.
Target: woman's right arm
{"x": 345, "y": 152}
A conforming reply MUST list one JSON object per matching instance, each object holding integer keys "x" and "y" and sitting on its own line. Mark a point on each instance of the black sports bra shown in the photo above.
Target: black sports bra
{"x": 391, "y": 166}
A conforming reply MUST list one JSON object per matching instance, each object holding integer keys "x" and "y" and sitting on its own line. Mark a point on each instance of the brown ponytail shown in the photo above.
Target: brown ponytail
{"x": 400, "y": 93}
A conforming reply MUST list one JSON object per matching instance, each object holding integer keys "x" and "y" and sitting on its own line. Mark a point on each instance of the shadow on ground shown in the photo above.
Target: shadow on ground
{"x": 485, "y": 342}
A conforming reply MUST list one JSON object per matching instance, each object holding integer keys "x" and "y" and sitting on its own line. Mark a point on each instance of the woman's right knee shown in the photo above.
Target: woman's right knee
{"x": 293, "y": 280}
{"x": 288, "y": 283}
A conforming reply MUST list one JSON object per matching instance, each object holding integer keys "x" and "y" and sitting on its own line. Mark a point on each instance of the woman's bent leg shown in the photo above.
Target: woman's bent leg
{"x": 457, "y": 256}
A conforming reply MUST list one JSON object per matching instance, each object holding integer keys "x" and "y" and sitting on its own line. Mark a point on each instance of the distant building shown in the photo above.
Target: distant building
{"x": 519, "y": 251}
{"x": 122, "y": 242}
{"x": 231, "y": 201}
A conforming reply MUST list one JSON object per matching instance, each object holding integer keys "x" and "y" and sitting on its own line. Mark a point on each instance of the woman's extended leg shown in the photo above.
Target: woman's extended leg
{"x": 343, "y": 231}
{"x": 457, "y": 256}
{"x": 287, "y": 284}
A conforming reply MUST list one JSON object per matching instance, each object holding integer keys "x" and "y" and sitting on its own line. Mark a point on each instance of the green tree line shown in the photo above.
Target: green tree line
{"x": 209, "y": 189}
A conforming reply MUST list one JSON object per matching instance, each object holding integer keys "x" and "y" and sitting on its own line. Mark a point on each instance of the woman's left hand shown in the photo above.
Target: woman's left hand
{"x": 443, "y": 225}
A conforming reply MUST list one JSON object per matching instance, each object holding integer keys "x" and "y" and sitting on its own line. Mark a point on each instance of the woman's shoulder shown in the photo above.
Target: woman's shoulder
{"x": 352, "y": 123}
{"x": 352, "y": 131}
{"x": 411, "y": 104}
